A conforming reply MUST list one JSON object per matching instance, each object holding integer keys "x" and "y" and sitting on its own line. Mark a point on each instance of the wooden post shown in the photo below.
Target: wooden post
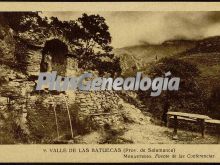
{"x": 167, "y": 123}
{"x": 175, "y": 136}
{"x": 56, "y": 120}
{"x": 68, "y": 112}
{"x": 203, "y": 127}
{"x": 175, "y": 125}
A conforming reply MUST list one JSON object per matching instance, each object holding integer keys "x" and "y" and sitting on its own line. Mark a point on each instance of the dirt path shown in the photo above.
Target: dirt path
{"x": 154, "y": 134}
{"x": 149, "y": 134}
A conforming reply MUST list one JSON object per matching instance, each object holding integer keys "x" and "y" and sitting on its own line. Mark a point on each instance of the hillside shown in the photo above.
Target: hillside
{"x": 209, "y": 66}
{"x": 204, "y": 53}
{"x": 207, "y": 45}
{"x": 140, "y": 56}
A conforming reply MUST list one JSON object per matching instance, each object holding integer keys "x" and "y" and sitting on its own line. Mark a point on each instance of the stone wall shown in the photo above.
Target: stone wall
{"x": 101, "y": 106}
{"x": 28, "y": 58}
{"x": 33, "y": 61}
{"x": 32, "y": 114}
{"x": 88, "y": 110}
{"x": 72, "y": 67}
{"x": 60, "y": 68}
{"x": 13, "y": 111}
{"x": 47, "y": 117}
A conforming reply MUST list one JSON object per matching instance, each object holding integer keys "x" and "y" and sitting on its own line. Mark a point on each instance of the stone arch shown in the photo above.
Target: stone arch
{"x": 34, "y": 56}
{"x": 54, "y": 56}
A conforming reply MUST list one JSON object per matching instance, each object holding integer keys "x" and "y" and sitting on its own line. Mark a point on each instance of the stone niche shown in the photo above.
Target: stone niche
{"x": 54, "y": 57}
{"x": 32, "y": 58}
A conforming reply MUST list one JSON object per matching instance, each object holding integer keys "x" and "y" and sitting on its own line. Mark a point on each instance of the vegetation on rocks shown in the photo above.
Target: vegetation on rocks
{"x": 29, "y": 116}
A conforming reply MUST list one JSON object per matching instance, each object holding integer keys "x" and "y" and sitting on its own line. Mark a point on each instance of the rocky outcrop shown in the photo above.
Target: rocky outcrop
{"x": 28, "y": 57}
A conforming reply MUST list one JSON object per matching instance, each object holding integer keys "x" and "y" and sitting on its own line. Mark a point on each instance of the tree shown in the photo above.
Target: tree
{"x": 189, "y": 97}
{"x": 94, "y": 50}
{"x": 69, "y": 29}
{"x": 91, "y": 39}
{"x": 88, "y": 36}
{"x": 24, "y": 21}
{"x": 95, "y": 34}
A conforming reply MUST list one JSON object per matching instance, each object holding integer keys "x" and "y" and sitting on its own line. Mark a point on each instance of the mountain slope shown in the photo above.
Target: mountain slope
{"x": 137, "y": 57}
{"x": 140, "y": 56}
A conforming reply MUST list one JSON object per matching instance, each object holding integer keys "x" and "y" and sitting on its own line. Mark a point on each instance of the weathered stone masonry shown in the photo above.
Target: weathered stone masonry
{"x": 95, "y": 110}
{"x": 101, "y": 106}
{"x": 33, "y": 111}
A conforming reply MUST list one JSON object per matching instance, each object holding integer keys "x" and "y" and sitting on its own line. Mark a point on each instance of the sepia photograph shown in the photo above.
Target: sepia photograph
{"x": 110, "y": 77}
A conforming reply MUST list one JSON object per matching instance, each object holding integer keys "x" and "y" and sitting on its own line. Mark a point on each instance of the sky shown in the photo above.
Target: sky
{"x": 129, "y": 28}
